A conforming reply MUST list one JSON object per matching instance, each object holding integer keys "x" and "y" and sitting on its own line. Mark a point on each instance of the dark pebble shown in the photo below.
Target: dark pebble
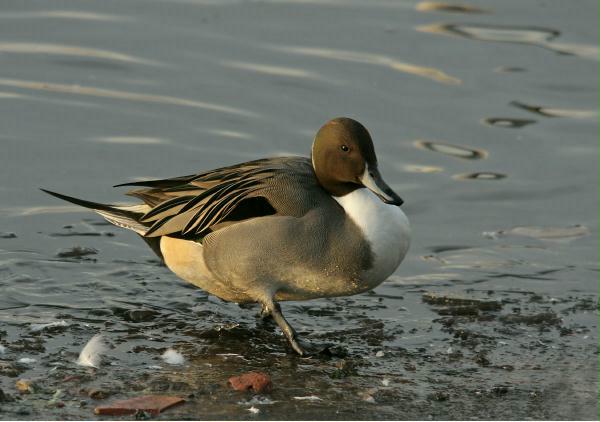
{"x": 544, "y": 318}
{"x": 439, "y": 396}
{"x": 23, "y": 411}
{"x": 97, "y": 394}
{"x": 76, "y": 252}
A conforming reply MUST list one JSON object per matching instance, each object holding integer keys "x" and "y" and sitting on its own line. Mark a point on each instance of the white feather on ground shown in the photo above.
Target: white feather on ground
{"x": 40, "y": 327}
{"x": 173, "y": 357}
{"x": 308, "y": 398}
{"x": 92, "y": 352}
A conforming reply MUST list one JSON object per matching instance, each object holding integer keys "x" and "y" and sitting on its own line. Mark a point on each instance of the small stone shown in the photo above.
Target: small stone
{"x": 23, "y": 411}
{"x": 98, "y": 394}
{"x": 259, "y": 382}
{"x": 10, "y": 370}
{"x": 25, "y": 386}
{"x": 439, "y": 396}
{"x": 76, "y": 252}
{"x": 380, "y": 354}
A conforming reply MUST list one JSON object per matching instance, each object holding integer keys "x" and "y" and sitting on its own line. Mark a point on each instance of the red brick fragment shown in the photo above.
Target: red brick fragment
{"x": 257, "y": 381}
{"x": 151, "y": 404}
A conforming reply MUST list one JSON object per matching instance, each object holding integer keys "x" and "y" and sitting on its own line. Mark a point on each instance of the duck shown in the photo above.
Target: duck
{"x": 275, "y": 229}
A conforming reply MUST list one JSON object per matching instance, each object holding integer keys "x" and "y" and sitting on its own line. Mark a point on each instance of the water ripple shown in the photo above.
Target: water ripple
{"x": 434, "y": 6}
{"x": 23, "y": 211}
{"x": 556, "y": 112}
{"x": 271, "y": 70}
{"x": 481, "y": 175}
{"x": 67, "y": 50}
{"x": 122, "y": 95}
{"x": 373, "y": 59}
{"x": 131, "y": 140}
{"x": 415, "y": 168}
{"x": 508, "y": 122}
{"x": 543, "y": 233}
{"x": 453, "y": 150}
{"x": 64, "y": 14}
{"x": 541, "y": 37}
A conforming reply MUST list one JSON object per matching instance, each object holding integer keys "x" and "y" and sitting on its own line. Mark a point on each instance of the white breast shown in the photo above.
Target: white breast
{"x": 385, "y": 227}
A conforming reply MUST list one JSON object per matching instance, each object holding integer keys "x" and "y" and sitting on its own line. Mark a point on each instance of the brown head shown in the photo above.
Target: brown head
{"x": 344, "y": 160}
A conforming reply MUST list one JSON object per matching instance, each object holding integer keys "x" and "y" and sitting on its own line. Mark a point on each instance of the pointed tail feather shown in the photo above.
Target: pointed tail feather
{"x": 122, "y": 216}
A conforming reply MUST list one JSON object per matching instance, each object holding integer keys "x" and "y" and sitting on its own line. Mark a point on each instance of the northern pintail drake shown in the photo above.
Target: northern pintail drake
{"x": 276, "y": 229}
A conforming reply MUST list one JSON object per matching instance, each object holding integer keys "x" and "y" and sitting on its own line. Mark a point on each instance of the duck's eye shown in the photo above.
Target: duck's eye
{"x": 345, "y": 148}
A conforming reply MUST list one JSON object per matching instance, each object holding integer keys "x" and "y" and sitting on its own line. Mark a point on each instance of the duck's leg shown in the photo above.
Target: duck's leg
{"x": 274, "y": 310}
{"x": 264, "y": 312}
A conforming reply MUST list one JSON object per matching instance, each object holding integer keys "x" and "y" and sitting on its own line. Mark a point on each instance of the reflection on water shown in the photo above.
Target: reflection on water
{"x": 414, "y": 168}
{"x": 123, "y": 95}
{"x": 556, "y": 112}
{"x": 434, "y": 6}
{"x": 291, "y": 72}
{"x": 453, "y": 150}
{"x": 543, "y": 233}
{"x": 64, "y": 14}
{"x": 482, "y": 175}
{"x": 26, "y": 211}
{"x": 373, "y": 59}
{"x": 10, "y": 95}
{"x": 132, "y": 140}
{"x": 510, "y": 69}
{"x": 541, "y": 37}
{"x": 66, "y": 50}
{"x": 507, "y": 122}
{"x": 232, "y": 134}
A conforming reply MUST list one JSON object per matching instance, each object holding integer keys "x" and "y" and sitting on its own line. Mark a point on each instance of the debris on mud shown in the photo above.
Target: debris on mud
{"x": 344, "y": 368}
{"x": 4, "y": 397}
{"x": 173, "y": 357}
{"x": 76, "y": 252}
{"x": 308, "y": 398}
{"x": 455, "y": 306}
{"x": 91, "y": 354}
{"x": 25, "y": 386}
{"x": 48, "y": 325}
{"x": 259, "y": 382}
{"x": 543, "y": 318}
{"x": 8, "y": 369}
{"x": 98, "y": 394}
{"x": 7, "y": 235}
{"x": 153, "y": 405}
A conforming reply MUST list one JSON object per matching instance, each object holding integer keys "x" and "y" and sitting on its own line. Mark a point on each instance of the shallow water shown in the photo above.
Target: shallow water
{"x": 485, "y": 120}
